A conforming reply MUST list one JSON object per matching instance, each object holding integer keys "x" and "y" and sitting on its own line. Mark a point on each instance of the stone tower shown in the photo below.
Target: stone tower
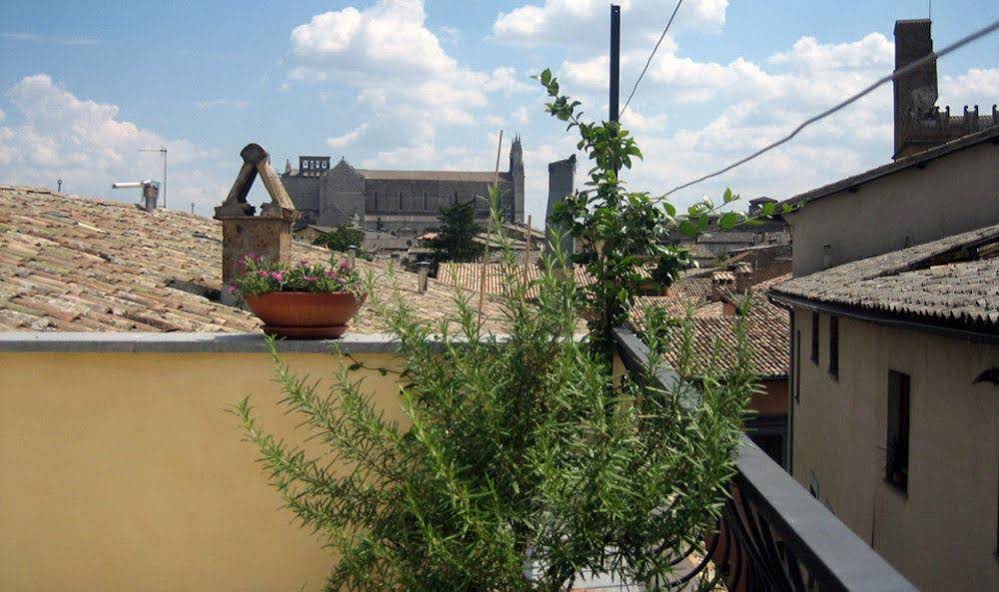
{"x": 561, "y": 177}
{"x": 916, "y": 92}
{"x": 517, "y": 178}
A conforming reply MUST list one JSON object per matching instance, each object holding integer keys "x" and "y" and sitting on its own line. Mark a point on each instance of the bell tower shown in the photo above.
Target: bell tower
{"x": 517, "y": 179}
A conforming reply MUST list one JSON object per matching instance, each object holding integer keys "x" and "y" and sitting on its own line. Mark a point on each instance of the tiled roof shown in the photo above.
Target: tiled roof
{"x": 468, "y": 276}
{"x": 714, "y": 333}
{"x": 954, "y": 279}
{"x": 74, "y": 264}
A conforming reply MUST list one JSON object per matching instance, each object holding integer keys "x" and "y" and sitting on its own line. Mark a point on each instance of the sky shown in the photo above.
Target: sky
{"x": 408, "y": 84}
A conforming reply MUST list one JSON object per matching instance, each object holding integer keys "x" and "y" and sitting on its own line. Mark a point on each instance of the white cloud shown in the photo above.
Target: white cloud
{"x": 638, "y": 122}
{"x": 507, "y": 81}
{"x": 754, "y": 103}
{"x": 977, "y": 86}
{"x": 590, "y": 74}
{"x": 580, "y": 22}
{"x": 873, "y": 51}
{"x": 520, "y": 115}
{"x": 86, "y": 143}
{"x": 390, "y": 37}
{"x": 409, "y": 85}
{"x": 223, "y": 103}
{"x": 347, "y": 138}
{"x": 450, "y": 34}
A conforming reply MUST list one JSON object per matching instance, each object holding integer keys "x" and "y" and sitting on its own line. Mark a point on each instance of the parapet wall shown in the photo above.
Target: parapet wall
{"x": 122, "y": 470}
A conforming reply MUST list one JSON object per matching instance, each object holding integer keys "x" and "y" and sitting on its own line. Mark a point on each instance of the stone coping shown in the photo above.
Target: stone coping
{"x": 357, "y": 343}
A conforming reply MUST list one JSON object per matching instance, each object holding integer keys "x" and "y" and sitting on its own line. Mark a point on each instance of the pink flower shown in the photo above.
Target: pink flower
{"x": 262, "y": 273}
{"x": 231, "y": 289}
{"x": 310, "y": 278}
{"x": 277, "y": 275}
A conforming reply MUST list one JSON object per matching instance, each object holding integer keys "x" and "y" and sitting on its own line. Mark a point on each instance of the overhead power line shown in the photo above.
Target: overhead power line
{"x": 932, "y": 56}
{"x": 649, "y": 61}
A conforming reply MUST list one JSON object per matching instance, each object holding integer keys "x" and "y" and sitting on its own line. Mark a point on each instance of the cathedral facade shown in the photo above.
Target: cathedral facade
{"x": 404, "y": 202}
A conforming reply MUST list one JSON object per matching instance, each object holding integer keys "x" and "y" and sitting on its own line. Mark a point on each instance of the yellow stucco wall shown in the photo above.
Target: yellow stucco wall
{"x": 122, "y": 471}
{"x": 942, "y": 533}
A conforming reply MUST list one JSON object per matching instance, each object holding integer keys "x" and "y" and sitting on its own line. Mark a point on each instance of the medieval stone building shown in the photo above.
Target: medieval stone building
{"x": 404, "y": 202}
{"x": 919, "y": 122}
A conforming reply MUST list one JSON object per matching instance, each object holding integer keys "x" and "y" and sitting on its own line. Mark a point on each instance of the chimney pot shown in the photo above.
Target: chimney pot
{"x": 424, "y": 273}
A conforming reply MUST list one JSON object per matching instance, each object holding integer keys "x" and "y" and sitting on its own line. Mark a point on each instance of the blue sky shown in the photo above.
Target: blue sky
{"x": 407, "y": 84}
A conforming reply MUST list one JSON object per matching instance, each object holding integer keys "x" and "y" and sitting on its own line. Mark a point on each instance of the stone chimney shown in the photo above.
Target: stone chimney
{"x": 721, "y": 282}
{"x": 916, "y": 92}
{"x": 267, "y": 235}
{"x": 756, "y": 205}
{"x": 743, "y": 277}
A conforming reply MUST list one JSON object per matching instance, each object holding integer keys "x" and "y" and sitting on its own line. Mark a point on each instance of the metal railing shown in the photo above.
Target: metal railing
{"x": 774, "y": 536}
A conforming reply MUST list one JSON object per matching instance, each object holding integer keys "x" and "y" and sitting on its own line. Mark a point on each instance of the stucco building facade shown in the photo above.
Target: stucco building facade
{"x": 894, "y": 309}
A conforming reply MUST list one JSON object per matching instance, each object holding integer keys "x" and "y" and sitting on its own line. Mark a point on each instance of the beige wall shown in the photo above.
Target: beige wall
{"x": 122, "y": 471}
{"x": 952, "y": 194}
{"x": 942, "y": 534}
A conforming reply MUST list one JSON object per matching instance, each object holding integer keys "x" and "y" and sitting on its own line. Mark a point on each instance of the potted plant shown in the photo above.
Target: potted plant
{"x": 304, "y": 301}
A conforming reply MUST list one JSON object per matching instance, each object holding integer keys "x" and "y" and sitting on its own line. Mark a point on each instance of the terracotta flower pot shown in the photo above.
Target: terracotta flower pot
{"x": 305, "y": 315}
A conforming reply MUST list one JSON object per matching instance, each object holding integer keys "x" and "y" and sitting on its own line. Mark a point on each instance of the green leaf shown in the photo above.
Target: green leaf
{"x": 729, "y": 220}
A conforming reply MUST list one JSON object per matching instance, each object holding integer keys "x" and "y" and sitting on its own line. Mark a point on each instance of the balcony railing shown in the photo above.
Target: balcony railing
{"x": 774, "y": 536}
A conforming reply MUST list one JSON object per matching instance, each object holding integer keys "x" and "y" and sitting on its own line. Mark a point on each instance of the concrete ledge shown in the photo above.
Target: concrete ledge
{"x": 14, "y": 341}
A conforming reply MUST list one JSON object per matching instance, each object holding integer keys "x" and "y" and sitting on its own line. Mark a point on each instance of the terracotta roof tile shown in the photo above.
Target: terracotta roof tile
{"x": 468, "y": 276}
{"x": 714, "y": 333}
{"x": 74, "y": 264}
{"x": 954, "y": 279}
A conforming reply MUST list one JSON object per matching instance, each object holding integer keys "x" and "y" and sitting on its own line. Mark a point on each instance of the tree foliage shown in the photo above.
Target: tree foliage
{"x": 341, "y": 238}
{"x": 523, "y": 461}
{"x": 456, "y": 238}
{"x": 620, "y": 230}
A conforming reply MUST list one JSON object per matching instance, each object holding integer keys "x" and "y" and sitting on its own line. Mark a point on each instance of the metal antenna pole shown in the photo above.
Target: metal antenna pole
{"x": 615, "y": 61}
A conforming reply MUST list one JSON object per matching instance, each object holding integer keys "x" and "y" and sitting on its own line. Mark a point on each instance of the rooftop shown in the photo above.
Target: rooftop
{"x": 988, "y": 135}
{"x": 76, "y": 264}
{"x": 767, "y": 325}
{"x": 468, "y": 276}
{"x": 954, "y": 280}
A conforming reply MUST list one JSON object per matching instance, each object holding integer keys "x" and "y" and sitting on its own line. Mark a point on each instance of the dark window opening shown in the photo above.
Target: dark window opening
{"x": 897, "y": 442}
{"x": 797, "y": 365}
{"x": 834, "y": 346}
{"x": 815, "y": 338}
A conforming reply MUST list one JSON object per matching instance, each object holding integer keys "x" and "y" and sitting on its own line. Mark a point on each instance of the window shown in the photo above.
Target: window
{"x": 797, "y": 365}
{"x": 815, "y": 338}
{"x": 834, "y": 347}
{"x": 897, "y": 442}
